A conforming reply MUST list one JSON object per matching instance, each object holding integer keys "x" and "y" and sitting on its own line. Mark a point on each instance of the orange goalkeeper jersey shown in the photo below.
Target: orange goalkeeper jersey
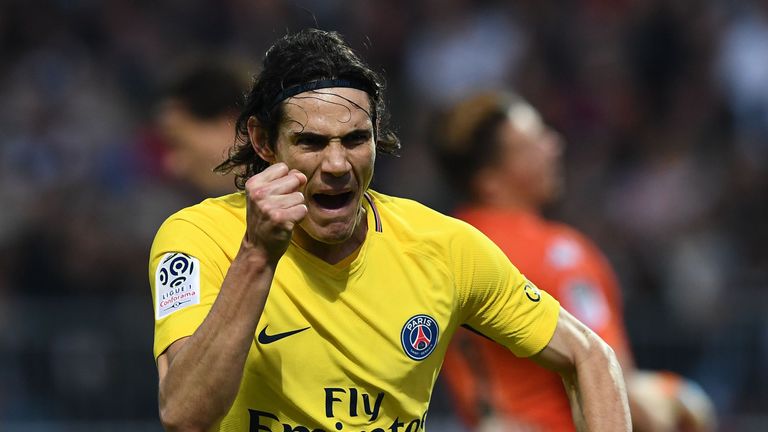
{"x": 486, "y": 378}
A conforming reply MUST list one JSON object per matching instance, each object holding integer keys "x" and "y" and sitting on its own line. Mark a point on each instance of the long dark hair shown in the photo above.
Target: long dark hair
{"x": 297, "y": 59}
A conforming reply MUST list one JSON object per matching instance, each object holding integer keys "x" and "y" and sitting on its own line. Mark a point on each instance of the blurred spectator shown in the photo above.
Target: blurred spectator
{"x": 197, "y": 122}
{"x": 743, "y": 69}
{"x": 461, "y": 47}
{"x": 507, "y": 163}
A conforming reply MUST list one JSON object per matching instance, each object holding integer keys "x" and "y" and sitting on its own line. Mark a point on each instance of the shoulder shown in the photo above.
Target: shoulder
{"x": 566, "y": 246}
{"x": 418, "y": 230}
{"x": 215, "y": 221}
{"x": 212, "y": 209}
{"x": 411, "y": 220}
{"x": 209, "y": 214}
{"x": 521, "y": 234}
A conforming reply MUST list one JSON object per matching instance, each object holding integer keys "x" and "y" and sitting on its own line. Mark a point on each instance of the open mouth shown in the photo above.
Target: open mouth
{"x": 333, "y": 201}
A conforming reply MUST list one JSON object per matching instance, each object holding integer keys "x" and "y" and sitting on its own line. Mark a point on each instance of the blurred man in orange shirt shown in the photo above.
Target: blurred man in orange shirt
{"x": 496, "y": 150}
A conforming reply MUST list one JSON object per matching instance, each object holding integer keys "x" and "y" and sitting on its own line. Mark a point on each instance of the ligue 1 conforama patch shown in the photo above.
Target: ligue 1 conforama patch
{"x": 177, "y": 284}
{"x": 419, "y": 336}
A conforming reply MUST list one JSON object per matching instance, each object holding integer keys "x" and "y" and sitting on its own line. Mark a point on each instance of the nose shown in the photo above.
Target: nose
{"x": 335, "y": 161}
{"x": 174, "y": 163}
{"x": 553, "y": 142}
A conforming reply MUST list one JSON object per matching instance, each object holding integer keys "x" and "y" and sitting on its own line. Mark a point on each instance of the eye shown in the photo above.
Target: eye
{"x": 310, "y": 141}
{"x": 356, "y": 138}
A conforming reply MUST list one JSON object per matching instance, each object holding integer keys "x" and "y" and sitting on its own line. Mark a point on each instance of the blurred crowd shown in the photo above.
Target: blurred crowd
{"x": 663, "y": 105}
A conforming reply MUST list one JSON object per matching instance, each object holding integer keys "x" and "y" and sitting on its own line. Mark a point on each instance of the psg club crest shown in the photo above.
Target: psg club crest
{"x": 419, "y": 336}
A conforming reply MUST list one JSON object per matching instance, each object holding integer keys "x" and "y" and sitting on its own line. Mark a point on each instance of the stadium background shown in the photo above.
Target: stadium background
{"x": 664, "y": 106}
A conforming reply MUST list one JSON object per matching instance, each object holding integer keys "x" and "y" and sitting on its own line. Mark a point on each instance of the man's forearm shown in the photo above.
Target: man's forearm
{"x": 204, "y": 373}
{"x": 597, "y": 392}
{"x": 591, "y": 374}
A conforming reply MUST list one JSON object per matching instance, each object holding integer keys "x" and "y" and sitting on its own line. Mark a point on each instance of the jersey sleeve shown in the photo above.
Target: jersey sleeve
{"x": 185, "y": 277}
{"x": 496, "y": 300}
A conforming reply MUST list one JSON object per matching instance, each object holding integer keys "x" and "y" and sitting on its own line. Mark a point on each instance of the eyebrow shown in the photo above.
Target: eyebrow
{"x": 304, "y": 134}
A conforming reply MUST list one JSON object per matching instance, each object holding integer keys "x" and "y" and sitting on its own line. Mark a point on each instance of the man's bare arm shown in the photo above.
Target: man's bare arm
{"x": 200, "y": 375}
{"x": 591, "y": 374}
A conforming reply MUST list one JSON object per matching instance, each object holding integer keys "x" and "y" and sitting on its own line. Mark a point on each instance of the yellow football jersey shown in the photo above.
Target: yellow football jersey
{"x": 355, "y": 346}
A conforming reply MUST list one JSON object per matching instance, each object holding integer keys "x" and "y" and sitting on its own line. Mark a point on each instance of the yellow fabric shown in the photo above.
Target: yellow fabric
{"x": 349, "y": 371}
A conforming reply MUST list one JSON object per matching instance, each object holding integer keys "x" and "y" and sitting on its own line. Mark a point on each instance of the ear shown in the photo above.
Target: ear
{"x": 260, "y": 141}
{"x": 487, "y": 185}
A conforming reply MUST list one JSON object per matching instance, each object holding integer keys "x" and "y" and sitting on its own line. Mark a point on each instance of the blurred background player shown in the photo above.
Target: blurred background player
{"x": 495, "y": 149}
{"x": 196, "y": 120}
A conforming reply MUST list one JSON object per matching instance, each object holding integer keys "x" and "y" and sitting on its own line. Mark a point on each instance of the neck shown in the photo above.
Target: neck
{"x": 332, "y": 253}
{"x": 509, "y": 202}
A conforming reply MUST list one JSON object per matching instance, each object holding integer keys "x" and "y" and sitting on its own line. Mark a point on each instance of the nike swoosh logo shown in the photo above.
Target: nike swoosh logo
{"x": 265, "y": 338}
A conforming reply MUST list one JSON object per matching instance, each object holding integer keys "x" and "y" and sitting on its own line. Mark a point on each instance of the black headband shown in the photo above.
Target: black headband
{"x": 320, "y": 84}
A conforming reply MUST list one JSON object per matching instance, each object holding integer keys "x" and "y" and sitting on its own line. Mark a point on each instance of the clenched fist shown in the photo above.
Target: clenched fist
{"x": 274, "y": 205}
